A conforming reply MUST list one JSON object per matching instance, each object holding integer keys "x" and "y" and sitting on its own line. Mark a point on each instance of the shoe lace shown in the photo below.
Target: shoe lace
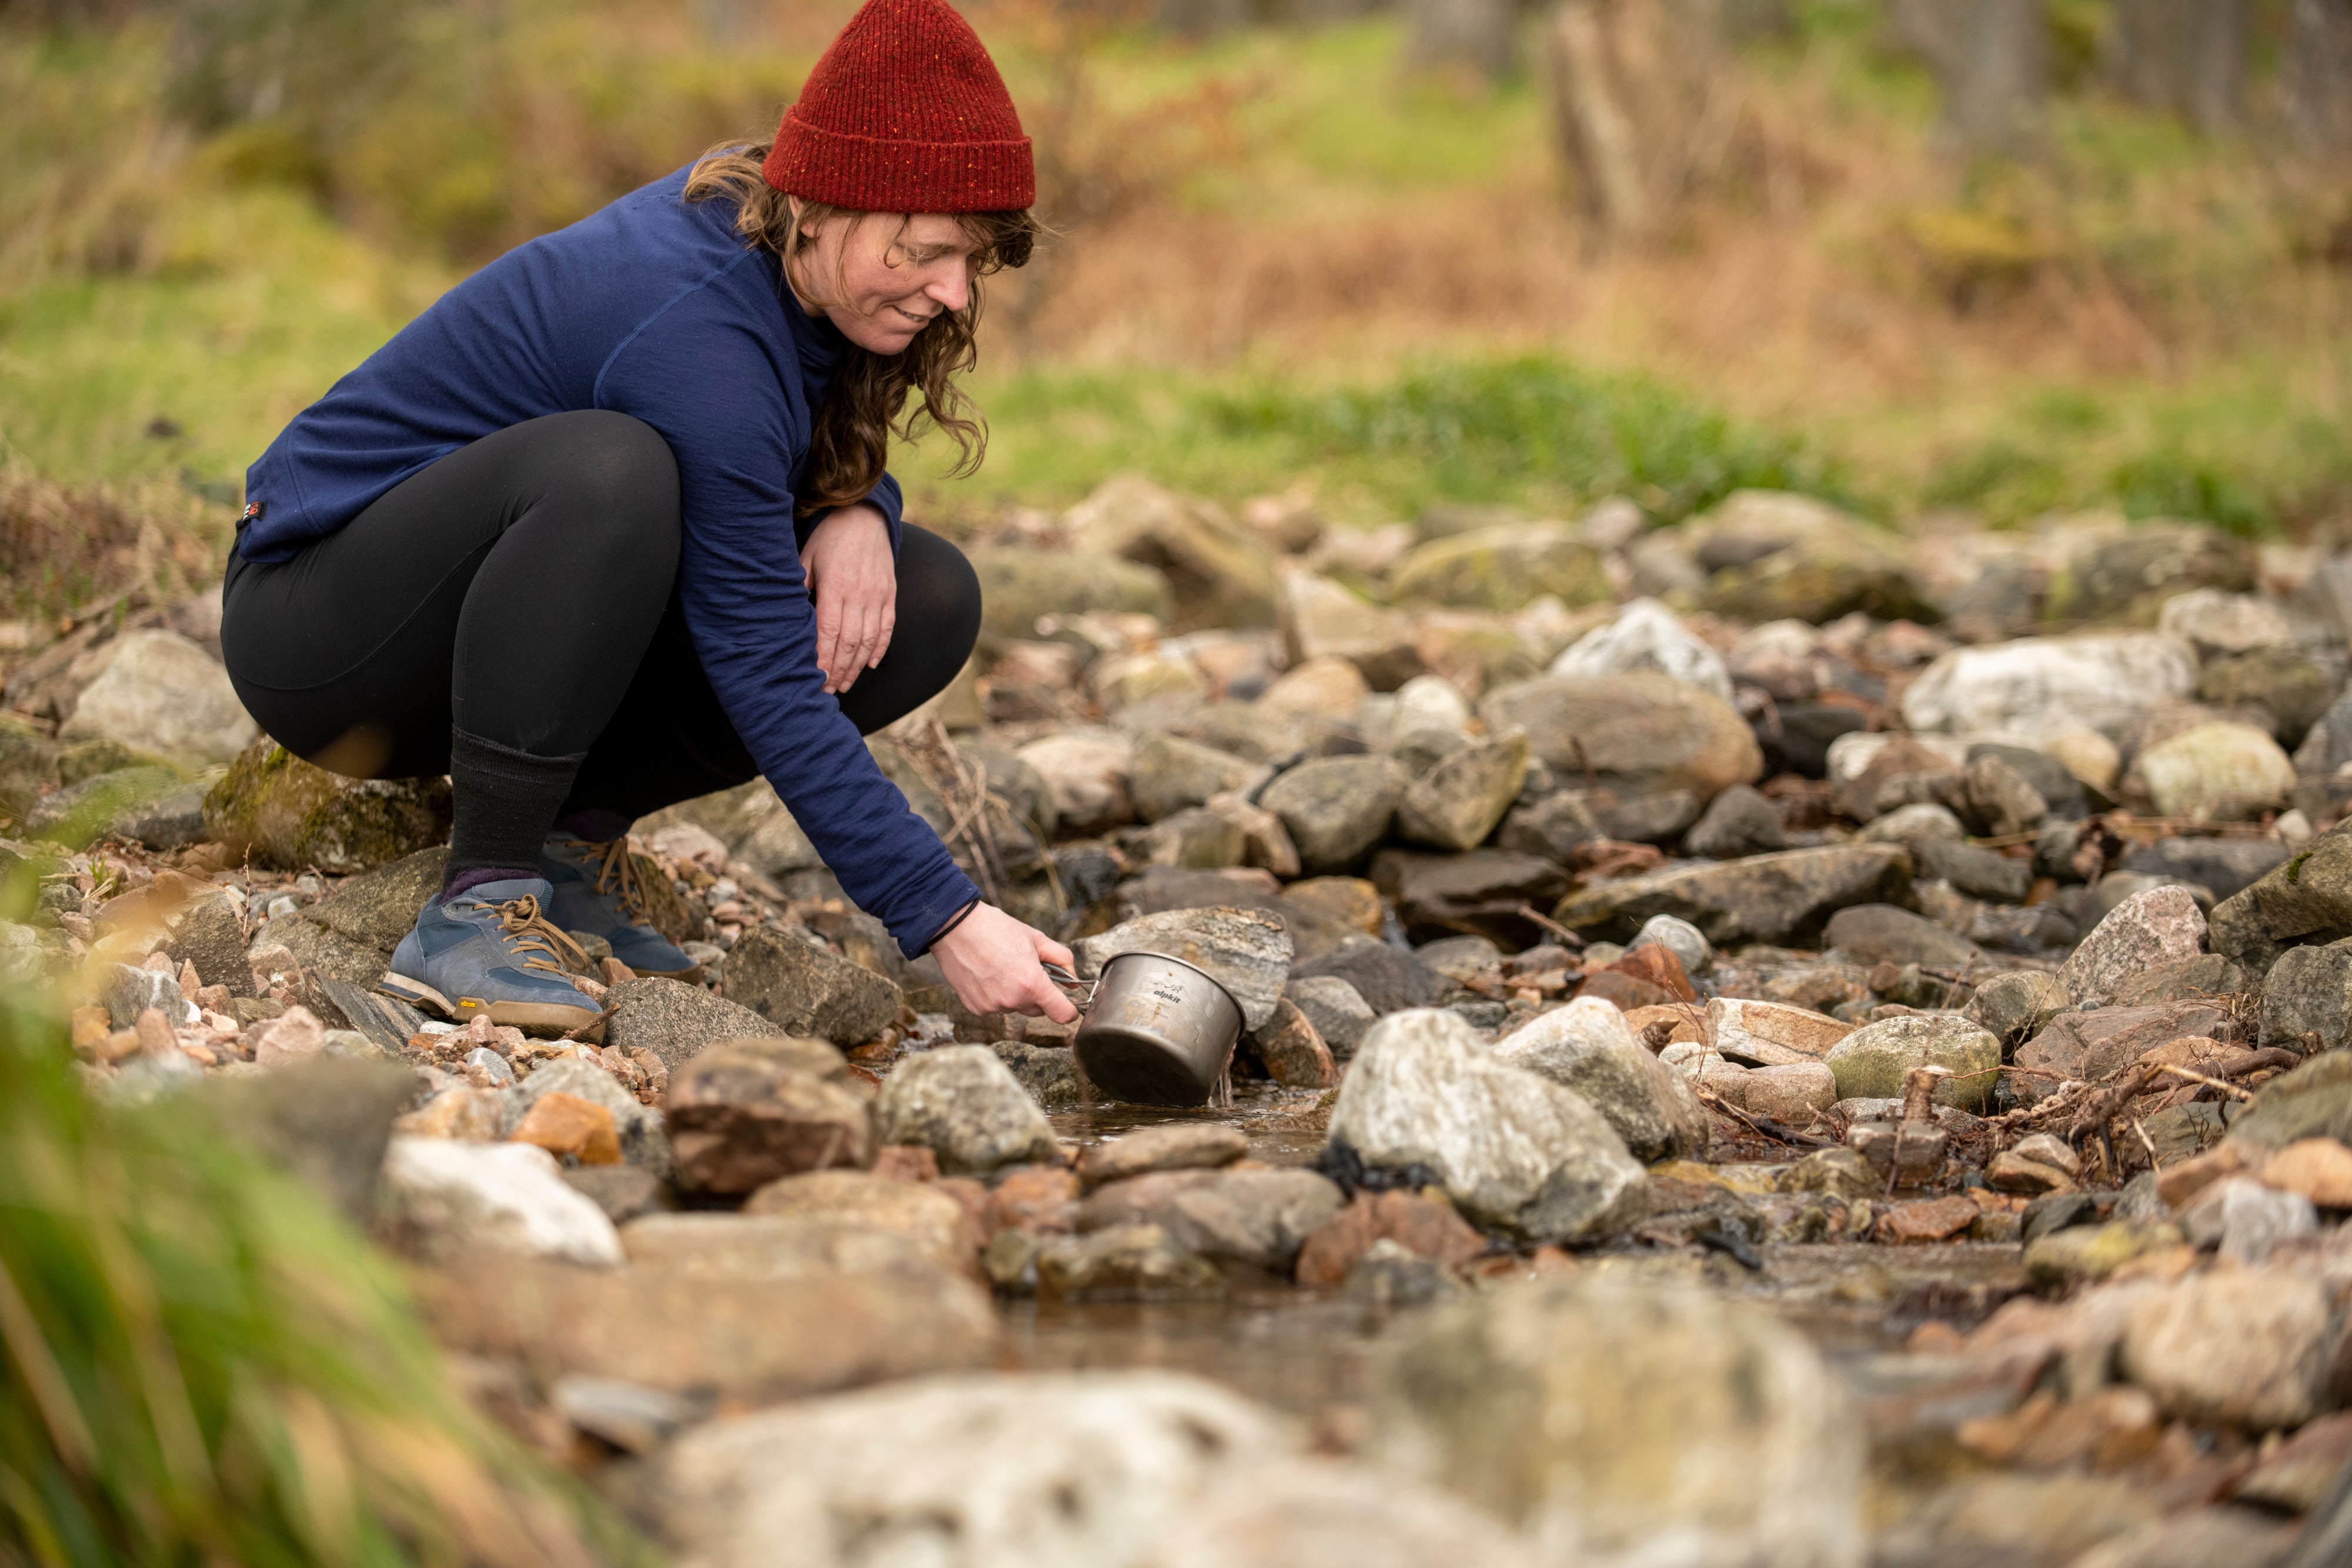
{"x": 616, "y": 877}
{"x": 530, "y": 932}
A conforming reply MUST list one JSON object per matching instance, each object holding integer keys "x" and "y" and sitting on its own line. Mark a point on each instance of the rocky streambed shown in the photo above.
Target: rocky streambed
{"x": 1768, "y": 1042}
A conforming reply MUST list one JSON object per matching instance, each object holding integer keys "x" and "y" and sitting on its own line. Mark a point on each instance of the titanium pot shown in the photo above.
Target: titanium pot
{"x": 1158, "y": 1031}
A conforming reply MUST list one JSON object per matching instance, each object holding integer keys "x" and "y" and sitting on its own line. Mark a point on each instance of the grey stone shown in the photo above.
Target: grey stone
{"x": 675, "y": 1020}
{"x": 1171, "y": 774}
{"x": 171, "y": 820}
{"x": 2309, "y": 992}
{"x": 1386, "y": 978}
{"x": 2090, "y": 1044}
{"x": 2060, "y": 790}
{"x": 2327, "y": 746}
{"x": 283, "y": 811}
{"x": 211, "y": 935}
{"x": 128, "y": 992}
{"x": 1977, "y": 872}
{"x": 1482, "y": 891}
{"x": 804, "y": 989}
{"x": 624, "y": 1191}
{"x": 2015, "y": 1005}
{"x": 1921, "y": 822}
{"x": 2043, "y": 686}
{"x": 1244, "y": 950}
{"x": 2248, "y": 1349}
{"x": 1337, "y": 807}
{"x": 1680, "y": 937}
{"x": 1516, "y": 1153}
{"x": 2308, "y": 899}
{"x": 2191, "y": 979}
{"x": 1170, "y": 1147}
{"x": 1257, "y": 1217}
{"x": 1883, "y": 934}
{"x": 1048, "y": 1073}
{"x": 379, "y": 907}
{"x": 1336, "y": 1010}
{"x": 1552, "y": 826}
{"x": 1784, "y": 898}
{"x": 2279, "y": 687}
{"x": 1739, "y": 822}
{"x": 1459, "y": 958}
{"x": 326, "y": 1121}
{"x": 1125, "y": 1263}
{"x": 2159, "y": 926}
{"x": 1870, "y": 1063}
{"x": 2245, "y": 1220}
{"x": 2227, "y": 866}
{"x": 1456, "y": 804}
{"x": 1634, "y": 734}
{"x": 1018, "y": 585}
{"x": 1997, "y": 799}
{"x": 1587, "y": 1047}
{"x": 160, "y": 692}
{"x": 2313, "y": 1101}
{"x": 1547, "y": 1404}
{"x": 644, "y": 1139}
{"x": 960, "y": 1102}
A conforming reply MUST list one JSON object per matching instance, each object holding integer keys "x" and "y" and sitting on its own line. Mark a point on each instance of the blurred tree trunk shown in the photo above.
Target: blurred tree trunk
{"x": 2317, "y": 71}
{"x": 1992, "y": 57}
{"x": 1443, "y": 34}
{"x": 1632, "y": 85}
{"x": 2187, "y": 56}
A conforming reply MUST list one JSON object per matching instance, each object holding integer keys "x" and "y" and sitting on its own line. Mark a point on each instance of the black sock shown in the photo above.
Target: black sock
{"x": 506, "y": 802}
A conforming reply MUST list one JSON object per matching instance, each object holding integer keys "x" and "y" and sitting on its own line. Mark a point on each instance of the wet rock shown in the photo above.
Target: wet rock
{"x": 1643, "y": 1424}
{"x": 160, "y": 692}
{"x": 1423, "y": 1224}
{"x": 2162, "y": 925}
{"x": 446, "y": 1198}
{"x": 2241, "y": 1349}
{"x": 2044, "y": 686}
{"x": 1337, "y": 1011}
{"x": 1294, "y": 1054}
{"x": 746, "y": 1113}
{"x": 1337, "y": 807}
{"x": 285, "y": 812}
{"x": 1386, "y": 978}
{"x": 1516, "y": 1152}
{"x": 1783, "y": 898}
{"x": 2015, "y": 1005}
{"x": 1635, "y": 734}
{"x": 1088, "y": 773}
{"x": 1501, "y": 568}
{"x": 1048, "y": 1073}
{"x": 675, "y": 1020}
{"x": 1017, "y": 586}
{"x": 1586, "y": 1047}
{"x": 1456, "y": 804}
{"x": 2246, "y": 1220}
{"x": 1483, "y": 891}
{"x": 960, "y": 1103}
{"x": 1871, "y": 1062}
{"x": 917, "y": 1211}
{"x": 1647, "y": 635}
{"x": 2306, "y": 900}
{"x": 1170, "y": 775}
{"x": 1244, "y": 950}
{"x": 2082, "y": 1252}
{"x": 1218, "y": 572}
{"x": 1123, "y": 1263}
{"x": 741, "y": 1337}
{"x": 805, "y": 989}
{"x": 1034, "y": 1468}
{"x": 1172, "y": 1146}
{"x": 1260, "y": 1217}
{"x": 1321, "y": 620}
{"x": 1883, "y": 934}
{"x": 2230, "y": 771}
{"x": 1738, "y": 822}
{"x": 2227, "y": 866}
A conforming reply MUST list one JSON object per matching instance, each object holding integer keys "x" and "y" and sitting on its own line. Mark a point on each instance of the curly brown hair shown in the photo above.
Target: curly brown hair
{"x": 866, "y": 403}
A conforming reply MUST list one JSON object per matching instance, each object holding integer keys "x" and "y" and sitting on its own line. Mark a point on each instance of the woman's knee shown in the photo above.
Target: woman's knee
{"x": 938, "y": 595}
{"x": 614, "y": 479}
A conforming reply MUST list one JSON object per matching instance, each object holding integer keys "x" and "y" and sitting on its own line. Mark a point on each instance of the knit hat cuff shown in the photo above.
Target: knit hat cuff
{"x": 869, "y": 174}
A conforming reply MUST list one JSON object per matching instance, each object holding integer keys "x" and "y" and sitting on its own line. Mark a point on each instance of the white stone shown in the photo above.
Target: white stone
{"x": 1429, "y": 702}
{"x": 1516, "y": 1152}
{"x": 1852, "y": 752}
{"x": 2234, "y": 768}
{"x": 2246, "y": 1220}
{"x": 2213, "y": 622}
{"x": 1647, "y": 635}
{"x": 1587, "y": 1047}
{"x": 1920, "y": 822}
{"x": 447, "y": 1195}
{"x": 1678, "y": 937}
{"x": 159, "y": 692}
{"x": 1086, "y": 771}
{"x": 1319, "y": 1513}
{"x": 2041, "y": 686}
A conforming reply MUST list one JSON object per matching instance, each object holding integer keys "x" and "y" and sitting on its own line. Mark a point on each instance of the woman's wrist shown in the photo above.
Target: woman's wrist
{"x": 958, "y": 918}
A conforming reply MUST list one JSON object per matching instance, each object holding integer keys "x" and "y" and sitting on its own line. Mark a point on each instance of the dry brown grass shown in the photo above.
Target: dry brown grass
{"x": 68, "y": 551}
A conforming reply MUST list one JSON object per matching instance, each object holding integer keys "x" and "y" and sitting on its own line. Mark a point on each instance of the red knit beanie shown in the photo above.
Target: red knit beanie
{"x": 905, "y": 114}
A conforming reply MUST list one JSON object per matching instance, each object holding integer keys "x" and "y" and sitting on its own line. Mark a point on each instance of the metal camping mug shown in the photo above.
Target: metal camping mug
{"x": 1157, "y": 1032}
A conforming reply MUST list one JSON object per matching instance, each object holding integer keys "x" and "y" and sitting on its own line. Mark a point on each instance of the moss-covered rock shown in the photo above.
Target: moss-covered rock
{"x": 1502, "y": 569}
{"x": 2125, "y": 571}
{"x": 1017, "y": 585}
{"x": 28, "y": 765}
{"x": 282, "y": 810}
{"x": 1773, "y": 555}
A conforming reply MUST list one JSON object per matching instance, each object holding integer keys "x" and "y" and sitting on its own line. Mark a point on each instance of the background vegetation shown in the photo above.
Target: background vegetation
{"x": 1285, "y": 257}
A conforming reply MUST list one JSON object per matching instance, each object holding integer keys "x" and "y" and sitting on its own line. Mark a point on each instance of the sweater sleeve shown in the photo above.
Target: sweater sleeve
{"x": 885, "y": 497}
{"x": 713, "y": 389}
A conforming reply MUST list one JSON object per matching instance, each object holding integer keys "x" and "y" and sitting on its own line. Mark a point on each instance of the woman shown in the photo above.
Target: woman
{"x": 608, "y": 527}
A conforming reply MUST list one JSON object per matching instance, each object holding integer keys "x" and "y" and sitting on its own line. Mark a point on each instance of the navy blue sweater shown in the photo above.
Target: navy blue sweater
{"x": 652, "y": 308}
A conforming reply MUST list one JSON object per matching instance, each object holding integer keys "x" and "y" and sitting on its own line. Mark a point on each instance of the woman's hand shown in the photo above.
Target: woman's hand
{"x": 855, "y": 579}
{"x": 991, "y": 961}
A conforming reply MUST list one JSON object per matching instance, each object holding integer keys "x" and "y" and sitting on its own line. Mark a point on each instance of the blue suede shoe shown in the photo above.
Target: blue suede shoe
{"x": 596, "y": 892}
{"x": 491, "y": 950}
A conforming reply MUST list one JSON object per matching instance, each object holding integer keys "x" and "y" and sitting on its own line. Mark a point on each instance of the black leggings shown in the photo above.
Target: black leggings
{"x": 519, "y": 594}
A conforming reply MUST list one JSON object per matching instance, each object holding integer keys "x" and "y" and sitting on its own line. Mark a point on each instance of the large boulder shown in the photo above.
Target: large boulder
{"x": 807, "y": 989}
{"x": 1517, "y": 1153}
{"x": 1218, "y": 572}
{"x": 2123, "y": 571}
{"x": 1017, "y": 585}
{"x": 2251, "y": 1349}
{"x": 285, "y": 812}
{"x": 1247, "y": 951}
{"x": 2040, "y": 687}
{"x": 1261, "y": 1218}
{"x": 1337, "y": 807}
{"x": 1587, "y": 1047}
{"x": 1503, "y": 568}
{"x": 1621, "y": 1422}
{"x": 2307, "y": 900}
{"x": 158, "y": 692}
{"x": 1784, "y": 898}
{"x": 675, "y": 1020}
{"x": 1637, "y": 734}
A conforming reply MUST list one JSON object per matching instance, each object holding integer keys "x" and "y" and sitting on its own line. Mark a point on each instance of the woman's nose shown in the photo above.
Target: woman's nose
{"x": 952, "y": 288}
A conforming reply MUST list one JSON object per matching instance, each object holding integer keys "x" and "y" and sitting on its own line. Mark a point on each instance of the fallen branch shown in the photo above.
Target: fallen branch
{"x": 1546, "y": 923}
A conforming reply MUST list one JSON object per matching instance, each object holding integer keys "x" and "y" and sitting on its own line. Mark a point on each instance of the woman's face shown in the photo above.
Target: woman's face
{"x": 881, "y": 278}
